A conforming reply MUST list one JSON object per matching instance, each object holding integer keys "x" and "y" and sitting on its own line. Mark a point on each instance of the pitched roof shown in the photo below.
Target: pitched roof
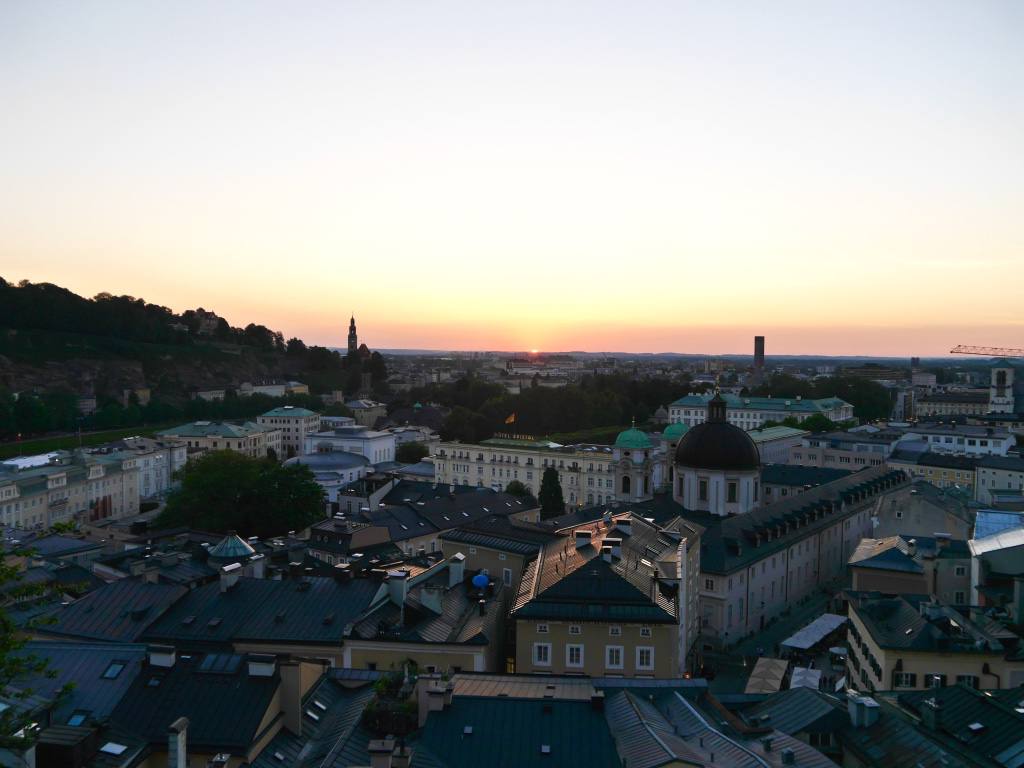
{"x": 121, "y": 611}
{"x": 793, "y": 405}
{"x": 643, "y": 737}
{"x": 797, "y": 710}
{"x": 289, "y": 411}
{"x": 575, "y": 733}
{"x": 222, "y": 701}
{"x": 314, "y": 610}
{"x": 888, "y": 554}
{"x": 502, "y": 533}
{"x": 796, "y": 475}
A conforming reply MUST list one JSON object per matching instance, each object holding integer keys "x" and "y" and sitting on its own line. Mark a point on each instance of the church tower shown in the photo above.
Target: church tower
{"x": 1000, "y": 393}
{"x": 353, "y": 339}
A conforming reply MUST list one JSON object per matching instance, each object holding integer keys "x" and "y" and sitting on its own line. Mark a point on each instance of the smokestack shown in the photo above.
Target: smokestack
{"x": 456, "y": 569}
{"x": 229, "y": 576}
{"x": 758, "y": 353}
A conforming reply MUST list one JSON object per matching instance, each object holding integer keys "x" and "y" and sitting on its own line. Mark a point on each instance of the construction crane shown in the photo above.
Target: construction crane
{"x": 966, "y": 349}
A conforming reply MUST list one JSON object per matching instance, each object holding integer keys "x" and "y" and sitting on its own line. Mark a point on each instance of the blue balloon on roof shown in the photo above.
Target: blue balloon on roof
{"x": 480, "y": 581}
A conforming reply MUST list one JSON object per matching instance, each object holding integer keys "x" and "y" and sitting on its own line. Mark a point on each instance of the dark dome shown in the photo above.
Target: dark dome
{"x": 717, "y": 444}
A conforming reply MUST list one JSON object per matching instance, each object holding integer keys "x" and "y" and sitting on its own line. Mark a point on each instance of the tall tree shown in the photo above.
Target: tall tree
{"x": 551, "y": 501}
{"x": 224, "y": 490}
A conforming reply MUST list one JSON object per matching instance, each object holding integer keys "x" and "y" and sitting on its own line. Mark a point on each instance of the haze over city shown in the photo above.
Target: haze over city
{"x": 844, "y": 178}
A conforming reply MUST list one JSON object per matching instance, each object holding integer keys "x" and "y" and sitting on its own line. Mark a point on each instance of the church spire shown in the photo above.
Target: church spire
{"x": 353, "y": 338}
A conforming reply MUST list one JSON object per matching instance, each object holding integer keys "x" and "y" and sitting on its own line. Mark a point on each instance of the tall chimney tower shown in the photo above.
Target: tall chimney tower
{"x": 758, "y": 354}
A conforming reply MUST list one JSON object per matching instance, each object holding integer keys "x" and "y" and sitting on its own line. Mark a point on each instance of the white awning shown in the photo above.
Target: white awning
{"x": 815, "y": 632}
{"x": 767, "y": 676}
{"x": 805, "y": 678}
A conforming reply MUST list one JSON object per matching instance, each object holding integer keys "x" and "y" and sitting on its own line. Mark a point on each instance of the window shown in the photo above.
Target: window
{"x": 709, "y": 584}
{"x": 935, "y": 680}
{"x": 78, "y": 717}
{"x": 731, "y": 493}
{"x": 702, "y": 490}
{"x": 905, "y": 680}
{"x": 542, "y": 629}
{"x": 645, "y": 631}
{"x": 960, "y": 570}
{"x": 502, "y": 556}
{"x": 613, "y": 657}
{"x": 506, "y": 577}
{"x": 575, "y": 629}
{"x": 112, "y": 671}
{"x": 615, "y": 631}
{"x": 959, "y": 598}
{"x": 969, "y": 680}
{"x": 542, "y": 654}
{"x": 645, "y": 658}
{"x": 574, "y": 655}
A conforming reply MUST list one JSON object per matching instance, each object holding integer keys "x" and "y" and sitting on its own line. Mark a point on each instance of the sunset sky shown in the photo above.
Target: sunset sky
{"x": 844, "y": 177}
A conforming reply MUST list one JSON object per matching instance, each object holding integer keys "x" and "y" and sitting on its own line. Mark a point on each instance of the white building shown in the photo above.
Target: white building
{"x": 377, "y": 447}
{"x": 295, "y": 424}
{"x": 156, "y": 460}
{"x": 751, "y": 412}
{"x": 998, "y": 474}
{"x": 963, "y": 439}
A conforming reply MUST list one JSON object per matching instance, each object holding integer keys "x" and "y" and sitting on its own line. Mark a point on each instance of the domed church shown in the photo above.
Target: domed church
{"x": 638, "y": 464}
{"x": 717, "y": 466}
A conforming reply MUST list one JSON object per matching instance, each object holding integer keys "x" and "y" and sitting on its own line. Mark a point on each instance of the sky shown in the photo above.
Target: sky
{"x": 845, "y": 178}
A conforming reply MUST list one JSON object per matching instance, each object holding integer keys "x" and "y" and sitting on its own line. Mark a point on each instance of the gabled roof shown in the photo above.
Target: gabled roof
{"x": 289, "y": 411}
{"x": 501, "y": 533}
{"x": 796, "y": 475}
{"x": 884, "y": 554}
{"x": 797, "y": 710}
{"x": 121, "y": 611}
{"x": 644, "y": 738}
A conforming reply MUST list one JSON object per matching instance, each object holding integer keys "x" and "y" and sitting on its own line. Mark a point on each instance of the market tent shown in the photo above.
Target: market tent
{"x": 805, "y": 678}
{"x": 815, "y": 632}
{"x": 767, "y": 676}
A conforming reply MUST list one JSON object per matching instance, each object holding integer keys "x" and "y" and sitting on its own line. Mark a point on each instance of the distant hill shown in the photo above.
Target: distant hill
{"x": 53, "y": 340}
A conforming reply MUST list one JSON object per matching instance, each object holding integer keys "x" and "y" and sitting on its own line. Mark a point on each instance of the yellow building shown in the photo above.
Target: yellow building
{"x": 255, "y": 440}
{"x": 907, "y": 642}
{"x": 615, "y": 598}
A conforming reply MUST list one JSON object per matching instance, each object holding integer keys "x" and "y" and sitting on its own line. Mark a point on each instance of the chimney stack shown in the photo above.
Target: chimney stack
{"x": 381, "y": 752}
{"x": 398, "y": 586}
{"x": 229, "y": 575}
{"x": 291, "y": 696}
{"x": 582, "y": 538}
{"x": 456, "y": 569}
{"x": 261, "y": 664}
{"x": 177, "y": 744}
{"x": 161, "y": 656}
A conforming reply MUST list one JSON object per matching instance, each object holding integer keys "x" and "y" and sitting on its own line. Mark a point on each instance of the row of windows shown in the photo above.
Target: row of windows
{"x": 575, "y": 629}
{"x": 613, "y": 656}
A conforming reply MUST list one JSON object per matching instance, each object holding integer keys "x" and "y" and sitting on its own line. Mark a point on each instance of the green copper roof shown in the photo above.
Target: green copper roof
{"x": 290, "y": 411}
{"x": 232, "y": 546}
{"x": 632, "y": 438}
{"x": 675, "y": 431}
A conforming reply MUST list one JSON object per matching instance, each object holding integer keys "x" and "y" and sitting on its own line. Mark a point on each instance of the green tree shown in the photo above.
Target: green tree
{"x": 410, "y": 453}
{"x": 552, "y": 503}
{"x": 224, "y": 490}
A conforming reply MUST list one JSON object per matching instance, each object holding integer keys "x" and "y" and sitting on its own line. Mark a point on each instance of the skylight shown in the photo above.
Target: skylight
{"x": 113, "y": 748}
{"x": 320, "y": 705}
{"x": 111, "y": 672}
{"x": 312, "y": 715}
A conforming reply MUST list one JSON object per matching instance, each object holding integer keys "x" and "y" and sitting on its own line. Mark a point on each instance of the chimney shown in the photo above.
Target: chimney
{"x": 456, "y": 569}
{"x": 430, "y": 696}
{"x": 616, "y": 545}
{"x": 931, "y": 714}
{"x": 871, "y": 711}
{"x": 161, "y": 656}
{"x": 256, "y": 567}
{"x": 432, "y": 597}
{"x": 402, "y": 756}
{"x": 942, "y": 540}
{"x": 342, "y": 572}
{"x": 261, "y": 664}
{"x": 398, "y": 586}
{"x": 855, "y": 708}
{"x": 911, "y": 547}
{"x": 151, "y": 572}
{"x": 625, "y": 526}
{"x": 291, "y": 696}
{"x": 381, "y": 751}
{"x": 788, "y": 756}
{"x": 136, "y": 567}
{"x": 177, "y": 744}
{"x": 229, "y": 575}
{"x": 483, "y": 606}
{"x": 606, "y": 554}
{"x": 582, "y": 538}
{"x": 449, "y": 693}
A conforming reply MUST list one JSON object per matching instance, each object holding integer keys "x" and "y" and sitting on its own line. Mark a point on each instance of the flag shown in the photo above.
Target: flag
{"x": 511, "y": 419}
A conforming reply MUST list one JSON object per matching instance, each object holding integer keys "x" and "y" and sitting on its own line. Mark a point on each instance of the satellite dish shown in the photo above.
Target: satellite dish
{"x": 480, "y": 581}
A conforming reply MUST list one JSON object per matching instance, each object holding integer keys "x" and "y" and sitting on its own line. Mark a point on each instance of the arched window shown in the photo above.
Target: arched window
{"x": 625, "y": 483}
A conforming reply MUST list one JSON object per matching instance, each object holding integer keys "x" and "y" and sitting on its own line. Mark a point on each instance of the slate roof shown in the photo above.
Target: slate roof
{"x": 224, "y": 708}
{"x": 1001, "y": 736}
{"x": 935, "y": 459}
{"x": 266, "y": 610}
{"x": 83, "y": 664}
{"x": 797, "y": 710}
{"x": 501, "y": 533}
{"x": 730, "y": 544}
{"x": 895, "y": 742}
{"x": 121, "y": 611}
{"x": 56, "y": 545}
{"x": 897, "y": 622}
{"x": 799, "y": 476}
{"x": 322, "y": 741}
{"x": 576, "y": 733}
{"x": 570, "y": 582}
{"x": 886, "y": 554}
{"x": 289, "y": 411}
{"x": 644, "y": 738}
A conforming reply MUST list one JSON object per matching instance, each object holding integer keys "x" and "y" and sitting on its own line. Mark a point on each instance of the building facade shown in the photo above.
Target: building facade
{"x": 752, "y": 412}
{"x": 377, "y": 447}
{"x": 294, "y": 423}
{"x": 254, "y": 440}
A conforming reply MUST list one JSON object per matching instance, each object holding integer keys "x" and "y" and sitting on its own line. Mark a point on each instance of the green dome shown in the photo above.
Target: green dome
{"x": 674, "y": 431}
{"x": 632, "y": 438}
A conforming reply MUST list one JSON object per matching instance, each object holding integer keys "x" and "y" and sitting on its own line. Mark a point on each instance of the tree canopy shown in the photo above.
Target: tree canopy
{"x": 410, "y": 453}
{"x": 224, "y": 490}
{"x": 551, "y": 500}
